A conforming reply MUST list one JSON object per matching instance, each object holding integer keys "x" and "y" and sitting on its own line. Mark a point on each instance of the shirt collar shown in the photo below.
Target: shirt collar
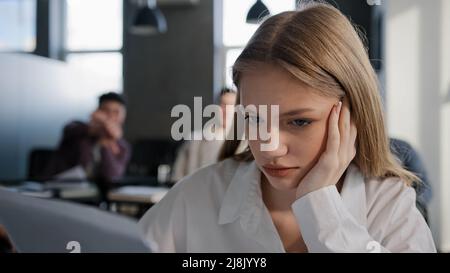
{"x": 243, "y": 195}
{"x": 246, "y": 175}
{"x": 353, "y": 194}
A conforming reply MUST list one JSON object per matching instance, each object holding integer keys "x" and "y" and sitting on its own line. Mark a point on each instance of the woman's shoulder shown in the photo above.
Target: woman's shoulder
{"x": 221, "y": 169}
{"x": 217, "y": 176}
{"x": 388, "y": 192}
{"x": 207, "y": 186}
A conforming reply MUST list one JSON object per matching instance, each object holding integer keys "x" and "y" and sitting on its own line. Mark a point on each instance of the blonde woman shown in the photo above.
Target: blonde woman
{"x": 331, "y": 185}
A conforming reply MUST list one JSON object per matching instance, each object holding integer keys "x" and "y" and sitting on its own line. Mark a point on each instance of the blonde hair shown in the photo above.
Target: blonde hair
{"x": 319, "y": 46}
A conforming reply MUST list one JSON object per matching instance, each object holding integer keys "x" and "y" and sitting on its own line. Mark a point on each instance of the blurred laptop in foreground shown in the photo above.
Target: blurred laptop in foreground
{"x": 33, "y": 225}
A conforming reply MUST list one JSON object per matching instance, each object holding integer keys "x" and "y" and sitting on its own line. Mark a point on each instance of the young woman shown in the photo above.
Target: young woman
{"x": 331, "y": 185}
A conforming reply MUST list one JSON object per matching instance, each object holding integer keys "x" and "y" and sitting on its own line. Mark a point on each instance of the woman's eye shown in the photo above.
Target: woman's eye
{"x": 300, "y": 122}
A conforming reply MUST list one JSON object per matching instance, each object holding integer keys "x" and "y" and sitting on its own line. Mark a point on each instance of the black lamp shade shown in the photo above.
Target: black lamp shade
{"x": 257, "y": 12}
{"x": 149, "y": 21}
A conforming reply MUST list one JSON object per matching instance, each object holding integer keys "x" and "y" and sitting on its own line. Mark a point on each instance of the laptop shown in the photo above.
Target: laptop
{"x": 36, "y": 225}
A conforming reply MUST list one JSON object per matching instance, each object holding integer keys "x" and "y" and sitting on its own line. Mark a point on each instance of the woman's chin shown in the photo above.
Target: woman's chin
{"x": 283, "y": 183}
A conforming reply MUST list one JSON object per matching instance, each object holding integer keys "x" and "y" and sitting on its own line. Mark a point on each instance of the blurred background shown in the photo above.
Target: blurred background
{"x": 58, "y": 56}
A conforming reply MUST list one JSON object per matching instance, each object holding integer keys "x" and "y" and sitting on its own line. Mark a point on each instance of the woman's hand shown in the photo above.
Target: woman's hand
{"x": 339, "y": 152}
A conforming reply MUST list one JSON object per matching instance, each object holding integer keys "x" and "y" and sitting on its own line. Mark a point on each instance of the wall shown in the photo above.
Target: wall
{"x": 164, "y": 70}
{"x": 418, "y": 86}
{"x": 37, "y": 97}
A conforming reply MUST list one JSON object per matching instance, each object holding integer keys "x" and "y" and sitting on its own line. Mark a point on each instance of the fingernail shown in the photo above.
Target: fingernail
{"x": 338, "y": 107}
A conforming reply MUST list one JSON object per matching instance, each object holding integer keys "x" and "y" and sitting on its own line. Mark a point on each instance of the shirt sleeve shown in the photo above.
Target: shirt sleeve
{"x": 164, "y": 225}
{"x": 113, "y": 166}
{"x": 327, "y": 225}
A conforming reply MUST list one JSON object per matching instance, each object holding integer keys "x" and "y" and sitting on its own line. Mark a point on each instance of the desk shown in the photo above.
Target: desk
{"x": 137, "y": 194}
{"x": 139, "y": 197}
{"x": 76, "y": 191}
{"x": 138, "y": 181}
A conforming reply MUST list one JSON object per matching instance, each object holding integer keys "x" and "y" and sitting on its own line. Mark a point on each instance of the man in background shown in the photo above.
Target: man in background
{"x": 98, "y": 146}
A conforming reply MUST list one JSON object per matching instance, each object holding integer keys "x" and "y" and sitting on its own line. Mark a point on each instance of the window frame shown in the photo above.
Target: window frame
{"x": 65, "y": 51}
{"x": 32, "y": 50}
{"x": 224, "y": 49}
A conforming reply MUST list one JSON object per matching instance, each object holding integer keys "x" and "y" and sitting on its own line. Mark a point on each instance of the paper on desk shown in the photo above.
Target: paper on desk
{"x": 75, "y": 173}
{"x": 144, "y": 190}
{"x": 138, "y": 193}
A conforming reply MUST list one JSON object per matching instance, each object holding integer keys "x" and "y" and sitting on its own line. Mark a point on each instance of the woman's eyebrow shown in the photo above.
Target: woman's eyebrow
{"x": 296, "y": 112}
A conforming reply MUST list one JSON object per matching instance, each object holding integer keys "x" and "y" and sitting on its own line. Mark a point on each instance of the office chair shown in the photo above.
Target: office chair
{"x": 148, "y": 154}
{"x": 411, "y": 161}
{"x": 38, "y": 161}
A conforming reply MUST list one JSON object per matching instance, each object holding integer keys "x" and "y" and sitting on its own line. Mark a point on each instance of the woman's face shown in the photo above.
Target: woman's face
{"x": 303, "y": 124}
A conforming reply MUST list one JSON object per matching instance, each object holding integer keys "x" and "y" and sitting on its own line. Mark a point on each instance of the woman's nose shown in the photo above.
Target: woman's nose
{"x": 274, "y": 148}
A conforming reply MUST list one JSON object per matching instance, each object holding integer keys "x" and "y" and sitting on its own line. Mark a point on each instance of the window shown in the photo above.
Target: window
{"x": 17, "y": 25}
{"x": 94, "y": 39}
{"x": 236, "y": 32}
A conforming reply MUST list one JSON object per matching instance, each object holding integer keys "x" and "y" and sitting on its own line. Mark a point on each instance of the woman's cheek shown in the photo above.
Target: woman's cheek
{"x": 309, "y": 142}
{"x": 318, "y": 140}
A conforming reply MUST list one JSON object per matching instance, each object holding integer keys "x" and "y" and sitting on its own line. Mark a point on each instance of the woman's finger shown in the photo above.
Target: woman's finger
{"x": 333, "y": 140}
{"x": 344, "y": 124}
{"x": 352, "y": 140}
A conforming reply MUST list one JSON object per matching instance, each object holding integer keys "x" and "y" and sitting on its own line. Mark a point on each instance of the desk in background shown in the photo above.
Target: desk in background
{"x": 131, "y": 196}
{"x": 135, "y": 200}
{"x": 76, "y": 191}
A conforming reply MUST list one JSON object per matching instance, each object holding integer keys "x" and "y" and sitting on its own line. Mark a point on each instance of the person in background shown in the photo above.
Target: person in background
{"x": 97, "y": 146}
{"x": 195, "y": 154}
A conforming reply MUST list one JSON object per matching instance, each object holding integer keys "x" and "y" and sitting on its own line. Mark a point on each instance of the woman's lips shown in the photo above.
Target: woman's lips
{"x": 279, "y": 171}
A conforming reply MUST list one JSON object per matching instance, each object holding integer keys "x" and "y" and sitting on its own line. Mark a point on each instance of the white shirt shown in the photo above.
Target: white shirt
{"x": 220, "y": 209}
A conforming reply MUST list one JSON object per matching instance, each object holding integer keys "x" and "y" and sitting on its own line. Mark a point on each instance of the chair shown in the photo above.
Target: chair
{"x": 38, "y": 162}
{"x": 411, "y": 161}
{"x": 148, "y": 154}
